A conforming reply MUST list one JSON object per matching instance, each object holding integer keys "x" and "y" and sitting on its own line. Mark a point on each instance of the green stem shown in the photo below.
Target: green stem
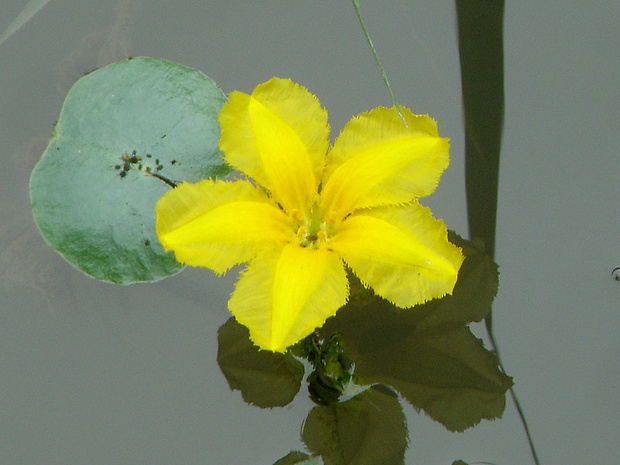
{"x": 356, "y": 5}
{"x": 514, "y": 397}
{"x": 171, "y": 183}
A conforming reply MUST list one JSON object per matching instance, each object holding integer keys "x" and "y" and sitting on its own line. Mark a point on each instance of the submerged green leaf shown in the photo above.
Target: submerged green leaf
{"x": 265, "y": 379}
{"x": 473, "y": 294}
{"x": 126, "y": 134}
{"x": 428, "y": 353}
{"x": 443, "y": 370}
{"x": 369, "y": 428}
{"x": 297, "y": 458}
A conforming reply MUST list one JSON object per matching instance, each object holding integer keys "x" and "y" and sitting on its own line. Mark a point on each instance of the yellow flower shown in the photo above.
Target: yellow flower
{"x": 309, "y": 209}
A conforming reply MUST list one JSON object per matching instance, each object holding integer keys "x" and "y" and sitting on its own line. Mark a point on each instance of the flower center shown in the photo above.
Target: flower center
{"x": 312, "y": 232}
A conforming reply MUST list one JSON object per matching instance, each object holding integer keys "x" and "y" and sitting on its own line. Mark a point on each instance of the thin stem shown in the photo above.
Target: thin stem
{"x": 172, "y": 184}
{"x": 356, "y": 5}
{"x": 515, "y": 399}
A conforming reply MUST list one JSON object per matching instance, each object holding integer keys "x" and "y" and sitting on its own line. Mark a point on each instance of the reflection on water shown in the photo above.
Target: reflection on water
{"x": 370, "y": 353}
{"x": 21, "y": 263}
{"x": 27, "y": 264}
{"x": 25, "y": 260}
{"x": 101, "y": 48}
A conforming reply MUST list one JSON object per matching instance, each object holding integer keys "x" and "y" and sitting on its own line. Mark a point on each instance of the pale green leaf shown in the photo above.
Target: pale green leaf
{"x": 92, "y": 195}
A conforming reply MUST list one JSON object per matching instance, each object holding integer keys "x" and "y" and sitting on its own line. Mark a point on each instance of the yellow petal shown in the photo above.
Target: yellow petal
{"x": 279, "y": 137}
{"x": 403, "y": 253}
{"x": 377, "y": 161}
{"x": 282, "y": 297}
{"x": 219, "y": 224}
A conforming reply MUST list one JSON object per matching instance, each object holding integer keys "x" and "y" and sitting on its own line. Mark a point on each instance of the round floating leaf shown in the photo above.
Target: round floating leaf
{"x": 126, "y": 134}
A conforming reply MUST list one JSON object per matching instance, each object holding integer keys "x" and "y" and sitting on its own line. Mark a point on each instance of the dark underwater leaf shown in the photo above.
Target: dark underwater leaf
{"x": 265, "y": 379}
{"x": 427, "y": 353}
{"x": 368, "y": 428}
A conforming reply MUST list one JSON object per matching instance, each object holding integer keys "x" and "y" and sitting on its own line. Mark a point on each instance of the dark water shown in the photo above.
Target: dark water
{"x": 93, "y": 373}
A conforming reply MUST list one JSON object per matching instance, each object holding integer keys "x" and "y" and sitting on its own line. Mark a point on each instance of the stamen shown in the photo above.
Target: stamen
{"x": 332, "y": 218}
{"x": 296, "y": 215}
{"x": 301, "y": 233}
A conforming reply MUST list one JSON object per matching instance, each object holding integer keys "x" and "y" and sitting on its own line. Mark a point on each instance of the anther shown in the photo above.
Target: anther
{"x": 296, "y": 215}
{"x": 301, "y": 233}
